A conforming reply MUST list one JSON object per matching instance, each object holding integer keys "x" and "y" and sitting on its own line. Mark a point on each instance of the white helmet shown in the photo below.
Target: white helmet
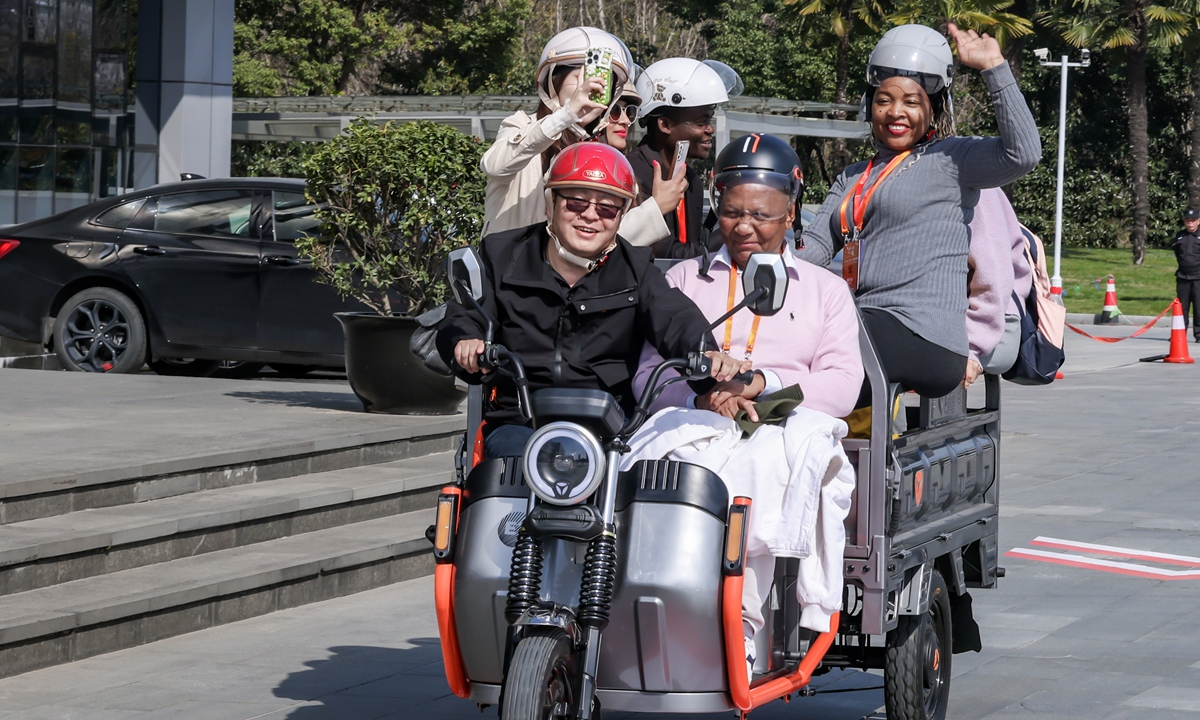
{"x": 570, "y": 47}
{"x": 683, "y": 82}
{"x": 915, "y": 51}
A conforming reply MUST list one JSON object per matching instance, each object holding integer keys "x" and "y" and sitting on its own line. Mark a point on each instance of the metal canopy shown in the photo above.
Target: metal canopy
{"x": 321, "y": 118}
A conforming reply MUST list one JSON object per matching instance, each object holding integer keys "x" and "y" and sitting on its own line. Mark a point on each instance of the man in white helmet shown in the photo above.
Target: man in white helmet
{"x": 679, "y": 97}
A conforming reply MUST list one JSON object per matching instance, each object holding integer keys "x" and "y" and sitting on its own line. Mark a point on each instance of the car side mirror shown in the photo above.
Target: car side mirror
{"x": 464, "y": 270}
{"x": 766, "y": 276}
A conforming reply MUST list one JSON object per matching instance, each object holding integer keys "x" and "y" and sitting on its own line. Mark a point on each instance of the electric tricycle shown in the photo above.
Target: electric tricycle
{"x": 564, "y": 585}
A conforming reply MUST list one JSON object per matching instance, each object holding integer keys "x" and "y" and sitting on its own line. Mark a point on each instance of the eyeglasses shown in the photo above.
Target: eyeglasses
{"x": 757, "y": 218}
{"x": 579, "y": 206}
{"x": 629, "y": 110}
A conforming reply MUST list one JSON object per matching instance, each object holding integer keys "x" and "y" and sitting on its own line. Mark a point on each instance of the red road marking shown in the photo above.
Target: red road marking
{"x": 1110, "y": 566}
{"x": 1094, "y": 549}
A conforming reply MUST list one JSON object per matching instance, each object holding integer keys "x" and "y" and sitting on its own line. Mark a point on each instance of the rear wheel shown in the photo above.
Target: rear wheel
{"x": 237, "y": 369}
{"x": 293, "y": 371}
{"x": 541, "y": 679}
{"x": 100, "y": 330}
{"x": 183, "y": 367}
{"x": 917, "y": 662}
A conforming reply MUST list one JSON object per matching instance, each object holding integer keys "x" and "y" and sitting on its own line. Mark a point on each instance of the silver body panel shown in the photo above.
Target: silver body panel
{"x": 665, "y": 628}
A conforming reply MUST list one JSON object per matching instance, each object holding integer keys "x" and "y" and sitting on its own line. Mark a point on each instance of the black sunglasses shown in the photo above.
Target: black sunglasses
{"x": 579, "y": 206}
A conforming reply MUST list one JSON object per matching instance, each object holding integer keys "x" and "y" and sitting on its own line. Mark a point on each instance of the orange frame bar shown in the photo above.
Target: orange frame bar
{"x": 745, "y": 696}
{"x": 443, "y": 599}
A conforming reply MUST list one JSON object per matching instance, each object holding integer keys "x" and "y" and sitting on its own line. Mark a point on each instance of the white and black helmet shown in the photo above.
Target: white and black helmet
{"x": 914, "y": 51}
{"x": 685, "y": 83}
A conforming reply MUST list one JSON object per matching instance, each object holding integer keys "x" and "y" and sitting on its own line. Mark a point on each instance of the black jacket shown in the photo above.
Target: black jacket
{"x": 693, "y": 202}
{"x": 587, "y": 336}
{"x": 1187, "y": 255}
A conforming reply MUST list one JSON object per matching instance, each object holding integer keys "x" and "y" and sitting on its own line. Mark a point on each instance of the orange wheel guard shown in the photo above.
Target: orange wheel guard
{"x": 443, "y": 595}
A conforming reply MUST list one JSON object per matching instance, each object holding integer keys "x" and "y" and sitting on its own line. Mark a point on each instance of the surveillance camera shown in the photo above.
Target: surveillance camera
{"x": 1085, "y": 57}
{"x": 1043, "y": 54}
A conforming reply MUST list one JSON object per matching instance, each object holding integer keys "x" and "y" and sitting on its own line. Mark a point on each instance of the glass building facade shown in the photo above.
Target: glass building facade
{"x": 66, "y": 104}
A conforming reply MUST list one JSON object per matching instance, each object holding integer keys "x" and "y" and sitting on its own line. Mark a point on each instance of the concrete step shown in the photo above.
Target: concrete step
{"x": 79, "y": 619}
{"x": 47, "y": 551}
{"x": 28, "y": 497}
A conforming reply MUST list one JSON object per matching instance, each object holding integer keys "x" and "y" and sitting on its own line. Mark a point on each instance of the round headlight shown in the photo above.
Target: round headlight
{"x": 564, "y": 463}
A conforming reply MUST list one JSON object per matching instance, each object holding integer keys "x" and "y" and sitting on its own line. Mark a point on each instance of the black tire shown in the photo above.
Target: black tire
{"x": 293, "y": 371}
{"x": 917, "y": 661}
{"x": 540, "y": 678}
{"x": 100, "y": 330}
{"x": 237, "y": 370}
{"x": 183, "y": 367}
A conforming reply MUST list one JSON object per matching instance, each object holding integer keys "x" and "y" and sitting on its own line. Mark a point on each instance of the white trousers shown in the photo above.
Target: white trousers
{"x": 757, "y": 575}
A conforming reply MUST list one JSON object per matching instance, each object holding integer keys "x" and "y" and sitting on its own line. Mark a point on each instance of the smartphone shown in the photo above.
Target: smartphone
{"x": 681, "y": 151}
{"x": 598, "y": 63}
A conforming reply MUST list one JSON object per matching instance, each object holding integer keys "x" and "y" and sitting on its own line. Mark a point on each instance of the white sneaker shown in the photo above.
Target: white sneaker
{"x": 750, "y": 651}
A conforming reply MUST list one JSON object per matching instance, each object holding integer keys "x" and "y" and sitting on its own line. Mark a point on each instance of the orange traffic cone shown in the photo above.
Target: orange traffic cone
{"x": 1111, "y": 312}
{"x": 1179, "y": 348}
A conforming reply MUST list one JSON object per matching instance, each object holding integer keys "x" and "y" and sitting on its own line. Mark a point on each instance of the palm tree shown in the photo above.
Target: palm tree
{"x": 1133, "y": 26}
{"x": 981, "y": 15}
{"x": 843, "y": 16}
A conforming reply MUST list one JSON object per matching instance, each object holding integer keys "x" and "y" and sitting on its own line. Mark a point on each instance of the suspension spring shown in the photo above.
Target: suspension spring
{"x": 524, "y": 577}
{"x": 599, "y": 577}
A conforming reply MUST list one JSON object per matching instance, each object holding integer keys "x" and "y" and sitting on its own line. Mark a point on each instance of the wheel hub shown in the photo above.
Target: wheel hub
{"x": 97, "y": 335}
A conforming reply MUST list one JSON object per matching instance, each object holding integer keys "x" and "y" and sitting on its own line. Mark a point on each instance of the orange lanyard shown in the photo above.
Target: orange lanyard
{"x": 733, "y": 272}
{"x": 681, "y": 221}
{"x": 861, "y": 202}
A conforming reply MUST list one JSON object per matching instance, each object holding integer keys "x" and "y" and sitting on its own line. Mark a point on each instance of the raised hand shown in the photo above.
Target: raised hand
{"x": 980, "y": 52}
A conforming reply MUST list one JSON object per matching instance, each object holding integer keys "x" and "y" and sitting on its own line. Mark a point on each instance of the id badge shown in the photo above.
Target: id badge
{"x": 850, "y": 264}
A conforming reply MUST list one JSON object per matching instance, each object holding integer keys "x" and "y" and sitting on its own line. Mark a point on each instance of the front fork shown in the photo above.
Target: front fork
{"x": 595, "y": 591}
{"x": 596, "y": 588}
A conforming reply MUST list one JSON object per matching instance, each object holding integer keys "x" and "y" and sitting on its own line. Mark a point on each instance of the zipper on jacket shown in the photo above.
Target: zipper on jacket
{"x": 558, "y": 355}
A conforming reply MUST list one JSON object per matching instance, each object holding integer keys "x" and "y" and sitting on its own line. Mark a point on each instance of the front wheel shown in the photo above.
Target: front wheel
{"x": 100, "y": 330}
{"x": 541, "y": 679}
{"x": 917, "y": 662}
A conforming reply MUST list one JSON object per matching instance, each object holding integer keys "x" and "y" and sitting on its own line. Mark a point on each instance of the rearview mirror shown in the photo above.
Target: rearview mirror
{"x": 464, "y": 270}
{"x": 765, "y": 274}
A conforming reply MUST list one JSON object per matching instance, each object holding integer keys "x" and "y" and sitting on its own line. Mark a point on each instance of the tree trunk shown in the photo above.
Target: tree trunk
{"x": 1139, "y": 140}
{"x": 1194, "y": 165}
{"x": 840, "y": 157}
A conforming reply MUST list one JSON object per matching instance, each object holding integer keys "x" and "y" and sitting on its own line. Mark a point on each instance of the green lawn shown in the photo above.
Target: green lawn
{"x": 1143, "y": 290}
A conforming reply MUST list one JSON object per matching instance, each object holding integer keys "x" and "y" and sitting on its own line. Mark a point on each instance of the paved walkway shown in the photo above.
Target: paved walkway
{"x": 1106, "y": 456}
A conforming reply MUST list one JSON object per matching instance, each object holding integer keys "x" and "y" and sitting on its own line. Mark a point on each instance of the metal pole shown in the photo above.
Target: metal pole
{"x": 1056, "y": 280}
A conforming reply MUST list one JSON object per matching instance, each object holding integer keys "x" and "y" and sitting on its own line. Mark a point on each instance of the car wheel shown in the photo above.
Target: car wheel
{"x": 293, "y": 371}
{"x": 100, "y": 330}
{"x": 237, "y": 369}
{"x": 183, "y": 367}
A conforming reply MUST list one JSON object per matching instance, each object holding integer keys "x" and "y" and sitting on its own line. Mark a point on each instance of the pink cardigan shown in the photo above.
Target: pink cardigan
{"x": 812, "y": 341}
{"x": 997, "y": 269}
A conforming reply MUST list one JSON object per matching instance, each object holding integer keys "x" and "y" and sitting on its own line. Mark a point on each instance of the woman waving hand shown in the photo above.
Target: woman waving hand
{"x": 901, "y": 218}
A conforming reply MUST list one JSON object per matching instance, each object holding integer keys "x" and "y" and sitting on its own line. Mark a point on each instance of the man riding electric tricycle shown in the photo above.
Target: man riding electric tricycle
{"x": 571, "y": 578}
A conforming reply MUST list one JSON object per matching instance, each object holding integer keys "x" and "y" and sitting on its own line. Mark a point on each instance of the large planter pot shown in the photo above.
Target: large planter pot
{"x": 384, "y": 373}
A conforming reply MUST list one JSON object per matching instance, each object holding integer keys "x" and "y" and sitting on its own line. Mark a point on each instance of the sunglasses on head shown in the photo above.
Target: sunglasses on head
{"x": 579, "y": 206}
{"x": 630, "y": 111}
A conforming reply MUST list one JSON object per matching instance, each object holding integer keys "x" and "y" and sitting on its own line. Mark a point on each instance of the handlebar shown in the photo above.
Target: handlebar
{"x": 499, "y": 358}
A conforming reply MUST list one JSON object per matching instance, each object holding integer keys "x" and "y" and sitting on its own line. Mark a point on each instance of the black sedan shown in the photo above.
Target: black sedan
{"x": 181, "y": 275}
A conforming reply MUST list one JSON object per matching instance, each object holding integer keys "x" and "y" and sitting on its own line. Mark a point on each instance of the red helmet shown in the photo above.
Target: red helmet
{"x": 593, "y": 165}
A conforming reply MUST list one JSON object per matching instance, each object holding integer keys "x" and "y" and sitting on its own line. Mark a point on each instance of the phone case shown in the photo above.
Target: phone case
{"x": 681, "y": 151}
{"x": 598, "y": 63}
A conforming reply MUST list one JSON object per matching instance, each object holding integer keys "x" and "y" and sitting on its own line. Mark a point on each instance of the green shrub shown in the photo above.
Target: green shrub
{"x": 395, "y": 200}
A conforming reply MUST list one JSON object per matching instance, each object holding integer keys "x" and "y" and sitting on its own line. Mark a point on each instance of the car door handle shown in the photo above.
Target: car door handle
{"x": 283, "y": 260}
{"x": 149, "y": 250}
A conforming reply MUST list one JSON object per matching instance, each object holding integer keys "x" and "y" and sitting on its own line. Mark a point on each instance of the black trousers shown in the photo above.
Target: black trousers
{"x": 1188, "y": 292}
{"x": 909, "y": 359}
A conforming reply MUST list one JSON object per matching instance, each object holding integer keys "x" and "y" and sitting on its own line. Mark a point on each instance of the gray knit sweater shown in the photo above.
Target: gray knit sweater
{"x": 914, "y": 241}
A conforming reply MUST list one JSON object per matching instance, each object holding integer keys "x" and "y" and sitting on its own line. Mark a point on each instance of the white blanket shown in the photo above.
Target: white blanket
{"x": 798, "y": 477}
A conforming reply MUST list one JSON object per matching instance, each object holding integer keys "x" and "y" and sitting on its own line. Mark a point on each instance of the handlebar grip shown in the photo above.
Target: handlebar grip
{"x": 745, "y": 377}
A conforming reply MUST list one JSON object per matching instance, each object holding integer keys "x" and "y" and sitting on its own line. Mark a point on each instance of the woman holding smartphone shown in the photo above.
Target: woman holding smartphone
{"x": 568, "y": 113}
